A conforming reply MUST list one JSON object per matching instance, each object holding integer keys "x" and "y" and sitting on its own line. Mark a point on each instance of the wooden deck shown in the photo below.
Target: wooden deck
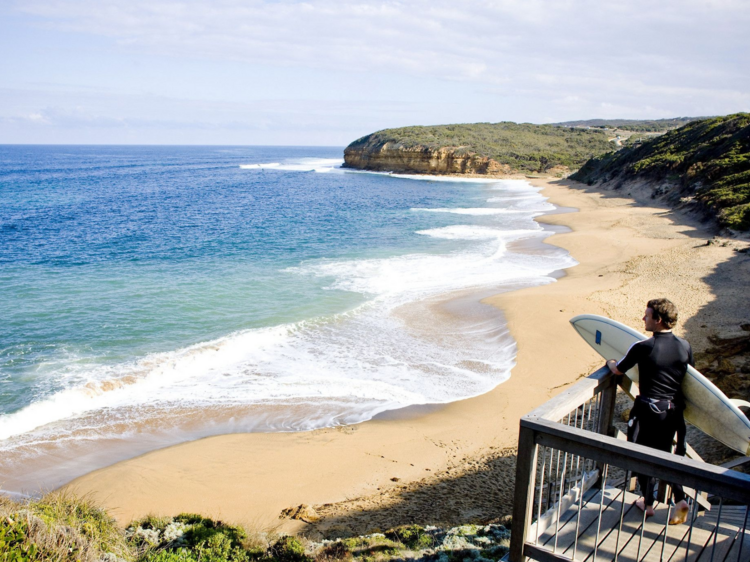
{"x": 609, "y": 527}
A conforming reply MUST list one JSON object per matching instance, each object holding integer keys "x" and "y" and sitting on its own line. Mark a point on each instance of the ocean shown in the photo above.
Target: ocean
{"x": 154, "y": 295}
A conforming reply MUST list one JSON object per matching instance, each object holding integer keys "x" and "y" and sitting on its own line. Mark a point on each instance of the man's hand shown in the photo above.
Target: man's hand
{"x": 612, "y": 364}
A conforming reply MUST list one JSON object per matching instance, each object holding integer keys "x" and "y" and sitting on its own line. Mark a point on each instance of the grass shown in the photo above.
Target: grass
{"x": 58, "y": 527}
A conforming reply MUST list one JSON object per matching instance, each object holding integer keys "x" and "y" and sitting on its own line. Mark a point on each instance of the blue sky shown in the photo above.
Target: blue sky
{"x": 325, "y": 72}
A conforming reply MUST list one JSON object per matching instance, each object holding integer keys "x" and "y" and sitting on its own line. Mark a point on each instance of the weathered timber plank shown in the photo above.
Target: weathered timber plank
{"x": 650, "y": 545}
{"x": 727, "y": 532}
{"x": 566, "y": 534}
{"x": 740, "y": 551}
{"x": 610, "y": 517}
{"x": 549, "y": 519}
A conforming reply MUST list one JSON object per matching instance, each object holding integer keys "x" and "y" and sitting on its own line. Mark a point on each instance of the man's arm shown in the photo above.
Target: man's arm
{"x": 626, "y": 363}
{"x": 612, "y": 364}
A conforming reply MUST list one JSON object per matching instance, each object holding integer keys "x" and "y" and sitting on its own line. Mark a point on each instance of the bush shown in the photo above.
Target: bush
{"x": 289, "y": 549}
{"x": 413, "y": 537}
{"x": 59, "y": 526}
{"x": 709, "y": 158}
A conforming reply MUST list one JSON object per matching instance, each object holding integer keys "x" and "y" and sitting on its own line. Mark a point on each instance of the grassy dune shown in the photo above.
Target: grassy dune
{"x": 708, "y": 159}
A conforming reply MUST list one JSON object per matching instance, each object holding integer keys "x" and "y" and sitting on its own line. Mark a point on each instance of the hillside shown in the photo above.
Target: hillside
{"x": 479, "y": 148}
{"x": 635, "y": 125}
{"x": 706, "y": 161}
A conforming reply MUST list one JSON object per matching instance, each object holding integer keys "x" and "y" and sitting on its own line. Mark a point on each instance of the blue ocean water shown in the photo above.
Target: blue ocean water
{"x": 155, "y": 294}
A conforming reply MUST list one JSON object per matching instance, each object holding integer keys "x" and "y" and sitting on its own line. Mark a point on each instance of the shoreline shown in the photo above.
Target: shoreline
{"x": 454, "y": 463}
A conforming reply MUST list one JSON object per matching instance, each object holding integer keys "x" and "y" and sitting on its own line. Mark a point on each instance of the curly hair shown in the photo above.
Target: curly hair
{"x": 664, "y": 311}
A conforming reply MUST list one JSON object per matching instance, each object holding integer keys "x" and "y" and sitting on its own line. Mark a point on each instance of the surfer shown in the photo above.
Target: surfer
{"x": 657, "y": 413}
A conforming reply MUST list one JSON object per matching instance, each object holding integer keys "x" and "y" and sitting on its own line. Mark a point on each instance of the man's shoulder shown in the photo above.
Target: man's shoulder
{"x": 648, "y": 343}
{"x": 643, "y": 346}
{"x": 683, "y": 342}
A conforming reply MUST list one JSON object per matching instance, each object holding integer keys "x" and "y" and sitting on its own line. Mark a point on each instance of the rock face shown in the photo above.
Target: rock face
{"x": 393, "y": 157}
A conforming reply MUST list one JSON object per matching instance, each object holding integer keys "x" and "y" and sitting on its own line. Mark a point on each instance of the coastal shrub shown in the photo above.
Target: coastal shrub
{"x": 60, "y": 527}
{"x": 708, "y": 159}
{"x": 14, "y": 546}
{"x": 190, "y": 518}
{"x": 220, "y": 548}
{"x": 335, "y": 551}
{"x": 289, "y": 549}
{"x": 207, "y": 529}
{"x": 179, "y": 555}
{"x": 413, "y": 537}
{"x": 154, "y": 522}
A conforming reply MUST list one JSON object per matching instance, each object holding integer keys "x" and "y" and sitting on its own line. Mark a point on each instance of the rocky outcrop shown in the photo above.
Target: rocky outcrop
{"x": 726, "y": 362}
{"x": 394, "y": 157}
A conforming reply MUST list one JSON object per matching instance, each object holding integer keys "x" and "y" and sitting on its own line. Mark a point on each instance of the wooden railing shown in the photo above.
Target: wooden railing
{"x": 568, "y": 449}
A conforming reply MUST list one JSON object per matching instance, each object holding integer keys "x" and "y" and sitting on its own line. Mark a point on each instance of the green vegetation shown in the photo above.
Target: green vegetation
{"x": 58, "y": 527}
{"x": 412, "y": 536}
{"x": 707, "y": 159}
{"x": 637, "y": 125}
{"x": 61, "y": 528}
{"x": 524, "y": 147}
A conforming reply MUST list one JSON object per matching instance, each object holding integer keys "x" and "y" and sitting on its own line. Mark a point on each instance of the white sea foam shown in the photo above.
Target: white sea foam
{"x": 471, "y": 232}
{"x": 321, "y": 165}
{"x": 478, "y": 212}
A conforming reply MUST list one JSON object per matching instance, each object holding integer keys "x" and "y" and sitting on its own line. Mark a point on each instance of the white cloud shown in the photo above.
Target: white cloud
{"x": 475, "y": 40}
{"x": 531, "y": 60}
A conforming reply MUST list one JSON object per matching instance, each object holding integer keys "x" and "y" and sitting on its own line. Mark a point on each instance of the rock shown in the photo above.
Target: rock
{"x": 725, "y": 366}
{"x": 506, "y": 521}
{"x": 300, "y": 513}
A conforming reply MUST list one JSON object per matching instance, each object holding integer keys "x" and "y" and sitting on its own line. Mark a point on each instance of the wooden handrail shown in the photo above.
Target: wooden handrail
{"x": 573, "y": 397}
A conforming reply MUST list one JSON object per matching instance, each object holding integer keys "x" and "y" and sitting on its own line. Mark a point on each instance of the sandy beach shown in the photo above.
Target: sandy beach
{"x": 454, "y": 463}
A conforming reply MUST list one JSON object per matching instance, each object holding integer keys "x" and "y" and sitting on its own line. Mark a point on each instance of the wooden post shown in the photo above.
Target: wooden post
{"x": 523, "y": 502}
{"x": 606, "y": 415}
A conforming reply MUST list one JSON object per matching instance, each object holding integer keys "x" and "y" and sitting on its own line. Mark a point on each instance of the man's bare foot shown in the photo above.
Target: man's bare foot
{"x": 680, "y": 514}
{"x": 640, "y": 503}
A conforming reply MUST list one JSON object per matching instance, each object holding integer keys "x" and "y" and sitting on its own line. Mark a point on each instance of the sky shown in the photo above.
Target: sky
{"x": 323, "y": 72}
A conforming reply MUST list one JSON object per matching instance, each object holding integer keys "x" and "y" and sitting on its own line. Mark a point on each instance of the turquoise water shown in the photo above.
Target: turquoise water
{"x": 155, "y": 294}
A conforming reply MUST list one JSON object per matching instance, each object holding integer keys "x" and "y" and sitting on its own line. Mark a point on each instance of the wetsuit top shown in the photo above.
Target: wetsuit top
{"x": 662, "y": 363}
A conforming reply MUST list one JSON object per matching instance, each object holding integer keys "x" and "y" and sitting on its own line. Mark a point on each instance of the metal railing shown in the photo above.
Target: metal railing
{"x": 575, "y": 482}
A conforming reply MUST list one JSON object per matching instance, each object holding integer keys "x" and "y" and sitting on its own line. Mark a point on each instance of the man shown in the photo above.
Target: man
{"x": 657, "y": 412}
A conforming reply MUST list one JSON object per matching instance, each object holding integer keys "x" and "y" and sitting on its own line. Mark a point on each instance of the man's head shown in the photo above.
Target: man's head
{"x": 661, "y": 314}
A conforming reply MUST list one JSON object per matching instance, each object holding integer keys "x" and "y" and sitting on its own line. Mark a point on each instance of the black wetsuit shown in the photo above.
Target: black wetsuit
{"x": 657, "y": 413}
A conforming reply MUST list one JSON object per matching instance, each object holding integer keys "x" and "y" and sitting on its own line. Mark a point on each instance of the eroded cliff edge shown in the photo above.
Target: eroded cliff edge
{"x": 395, "y": 157}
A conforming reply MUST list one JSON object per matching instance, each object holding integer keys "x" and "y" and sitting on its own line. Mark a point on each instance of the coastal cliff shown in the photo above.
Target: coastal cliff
{"x": 395, "y": 157}
{"x": 479, "y": 148}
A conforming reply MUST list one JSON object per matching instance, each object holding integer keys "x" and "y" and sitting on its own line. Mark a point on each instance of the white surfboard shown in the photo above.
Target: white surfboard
{"x": 706, "y": 407}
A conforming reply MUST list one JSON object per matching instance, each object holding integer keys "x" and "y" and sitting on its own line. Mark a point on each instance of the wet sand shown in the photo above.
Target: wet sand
{"x": 454, "y": 463}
